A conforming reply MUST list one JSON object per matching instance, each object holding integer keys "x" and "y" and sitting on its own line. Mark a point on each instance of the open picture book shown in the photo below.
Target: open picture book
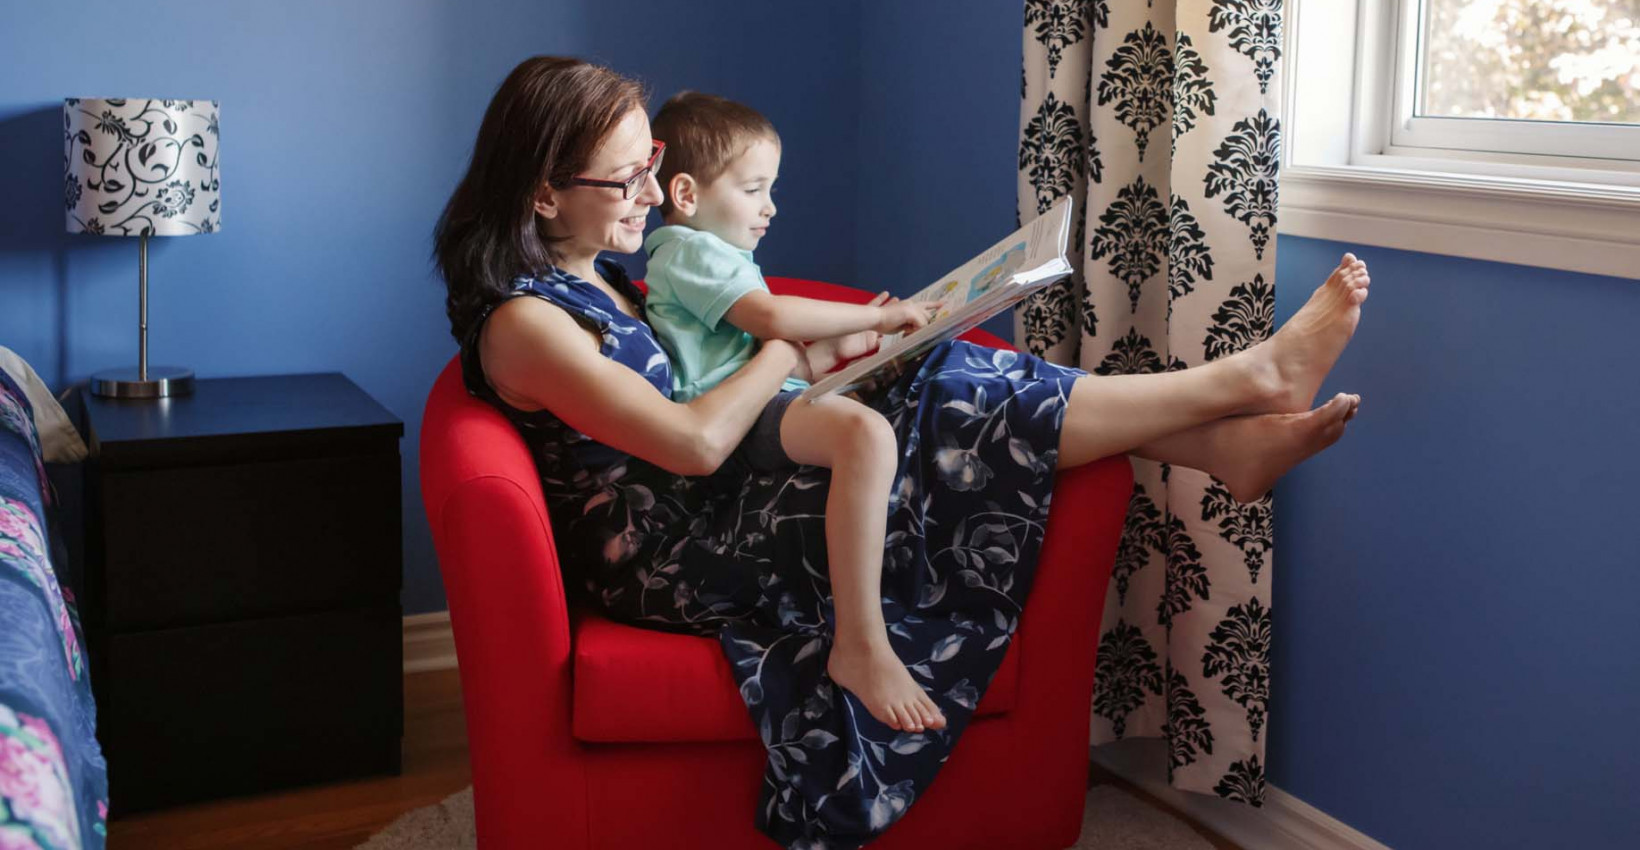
{"x": 1031, "y": 258}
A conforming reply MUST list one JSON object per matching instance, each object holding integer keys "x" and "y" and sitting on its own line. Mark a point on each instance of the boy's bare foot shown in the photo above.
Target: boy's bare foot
{"x": 872, "y": 672}
{"x": 1291, "y": 365}
{"x": 1261, "y": 449}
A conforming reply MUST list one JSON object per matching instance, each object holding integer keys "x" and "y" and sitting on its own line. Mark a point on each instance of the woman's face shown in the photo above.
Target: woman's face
{"x": 596, "y": 218}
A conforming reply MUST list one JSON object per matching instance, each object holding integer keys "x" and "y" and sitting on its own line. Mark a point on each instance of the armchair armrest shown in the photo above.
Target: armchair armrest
{"x": 509, "y": 613}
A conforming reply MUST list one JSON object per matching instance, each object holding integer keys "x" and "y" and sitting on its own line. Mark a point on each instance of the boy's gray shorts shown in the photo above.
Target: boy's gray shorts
{"x": 760, "y": 450}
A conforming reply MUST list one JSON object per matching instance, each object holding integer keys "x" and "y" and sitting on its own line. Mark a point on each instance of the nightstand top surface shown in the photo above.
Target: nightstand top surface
{"x": 239, "y": 408}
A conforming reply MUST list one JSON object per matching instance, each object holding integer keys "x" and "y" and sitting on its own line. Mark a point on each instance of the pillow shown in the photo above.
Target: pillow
{"x": 59, "y": 442}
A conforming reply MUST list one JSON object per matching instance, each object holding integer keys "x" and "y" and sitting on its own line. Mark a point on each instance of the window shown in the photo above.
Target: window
{"x": 1556, "y": 78}
{"x": 1501, "y": 129}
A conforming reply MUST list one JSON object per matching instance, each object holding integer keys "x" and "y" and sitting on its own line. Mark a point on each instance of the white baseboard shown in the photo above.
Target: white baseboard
{"x": 428, "y": 642}
{"x": 1284, "y": 822}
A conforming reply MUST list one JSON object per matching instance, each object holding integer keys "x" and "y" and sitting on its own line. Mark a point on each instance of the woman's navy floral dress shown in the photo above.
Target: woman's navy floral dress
{"x": 746, "y": 559}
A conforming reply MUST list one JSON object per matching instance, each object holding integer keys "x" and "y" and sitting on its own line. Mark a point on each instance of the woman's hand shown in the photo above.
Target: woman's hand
{"x": 822, "y": 356}
{"x": 796, "y": 350}
{"x": 897, "y": 315}
{"x": 849, "y": 346}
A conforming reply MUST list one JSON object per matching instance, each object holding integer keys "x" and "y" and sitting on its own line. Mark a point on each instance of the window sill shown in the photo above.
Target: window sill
{"x": 1342, "y": 180}
{"x": 1570, "y": 226}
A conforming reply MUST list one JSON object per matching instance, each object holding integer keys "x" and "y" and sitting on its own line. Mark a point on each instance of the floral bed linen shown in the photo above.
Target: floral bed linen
{"x": 53, "y": 780}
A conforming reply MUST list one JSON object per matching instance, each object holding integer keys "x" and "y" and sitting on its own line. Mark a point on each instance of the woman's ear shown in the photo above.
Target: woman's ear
{"x": 681, "y": 189}
{"x": 546, "y": 203}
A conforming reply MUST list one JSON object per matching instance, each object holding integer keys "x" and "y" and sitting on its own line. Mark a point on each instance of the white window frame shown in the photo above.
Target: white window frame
{"x": 1601, "y": 147}
{"x": 1360, "y": 167}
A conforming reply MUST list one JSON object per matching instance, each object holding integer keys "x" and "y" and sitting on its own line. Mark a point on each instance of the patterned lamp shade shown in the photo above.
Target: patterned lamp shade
{"x": 137, "y": 167}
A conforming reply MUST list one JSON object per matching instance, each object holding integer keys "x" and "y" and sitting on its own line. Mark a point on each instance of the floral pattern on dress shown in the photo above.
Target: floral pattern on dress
{"x": 745, "y": 559}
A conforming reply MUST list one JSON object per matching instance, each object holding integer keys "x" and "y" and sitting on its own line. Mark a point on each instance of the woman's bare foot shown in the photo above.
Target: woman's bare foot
{"x": 1261, "y": 449}
{"x": 871, "y": 671}
{"x": 1290, "y": 366}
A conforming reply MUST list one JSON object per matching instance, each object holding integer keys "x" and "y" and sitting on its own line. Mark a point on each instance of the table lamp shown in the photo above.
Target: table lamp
{"x": 137, "y": 167}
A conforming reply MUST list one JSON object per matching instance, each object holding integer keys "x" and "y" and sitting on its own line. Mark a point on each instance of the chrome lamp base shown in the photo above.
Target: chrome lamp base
{"x": 161, "y": 382}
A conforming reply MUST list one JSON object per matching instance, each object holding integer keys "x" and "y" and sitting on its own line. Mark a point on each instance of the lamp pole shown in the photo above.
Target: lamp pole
{"x": 142, "y": 309}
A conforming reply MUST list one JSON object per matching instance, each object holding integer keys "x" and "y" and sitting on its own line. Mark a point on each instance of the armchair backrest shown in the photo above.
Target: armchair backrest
{"x": 463, "y": 438}
{"x": 489, "y": 520}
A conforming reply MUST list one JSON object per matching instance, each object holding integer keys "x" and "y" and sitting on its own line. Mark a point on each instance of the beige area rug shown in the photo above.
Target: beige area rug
{"x": 1113, "y": 820}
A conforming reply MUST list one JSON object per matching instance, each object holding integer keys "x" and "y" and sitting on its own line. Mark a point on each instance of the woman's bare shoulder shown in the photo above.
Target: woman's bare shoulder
{"x": 525, "y": 337}
{"x": 537, "y": 357}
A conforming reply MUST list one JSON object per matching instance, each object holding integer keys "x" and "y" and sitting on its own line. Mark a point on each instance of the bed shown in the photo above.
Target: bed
{"x": 53, "y": 780}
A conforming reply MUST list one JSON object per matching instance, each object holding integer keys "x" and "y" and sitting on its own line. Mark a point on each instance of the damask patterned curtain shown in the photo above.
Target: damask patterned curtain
{"x": 1161, "y": 119}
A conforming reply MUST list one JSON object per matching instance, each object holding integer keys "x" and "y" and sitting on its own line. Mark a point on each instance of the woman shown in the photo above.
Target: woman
{"x": 636, "y": 484}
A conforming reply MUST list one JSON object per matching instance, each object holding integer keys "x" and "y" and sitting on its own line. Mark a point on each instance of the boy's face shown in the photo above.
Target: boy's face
{"x": 737, "y": 206}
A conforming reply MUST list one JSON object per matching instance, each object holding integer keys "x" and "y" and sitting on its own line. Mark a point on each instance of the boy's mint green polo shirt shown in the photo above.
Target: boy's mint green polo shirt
{"x": 693, "y": 279}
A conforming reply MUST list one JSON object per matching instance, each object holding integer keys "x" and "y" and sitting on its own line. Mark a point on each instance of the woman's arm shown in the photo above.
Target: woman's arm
{"x": 768, "y": 316}
{"x": 536, "y": 356}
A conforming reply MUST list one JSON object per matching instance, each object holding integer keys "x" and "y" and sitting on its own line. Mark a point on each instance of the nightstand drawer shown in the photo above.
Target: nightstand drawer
{"x": 212, "y": 711}
{"x": 195, "y": 545}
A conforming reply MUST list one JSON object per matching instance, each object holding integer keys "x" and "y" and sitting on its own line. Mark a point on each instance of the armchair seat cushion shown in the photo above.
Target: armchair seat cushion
{"x": 641, "y": 685}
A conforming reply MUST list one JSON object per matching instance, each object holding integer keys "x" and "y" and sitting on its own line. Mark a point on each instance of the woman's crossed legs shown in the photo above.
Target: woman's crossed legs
{"x": 1245, "y": 418}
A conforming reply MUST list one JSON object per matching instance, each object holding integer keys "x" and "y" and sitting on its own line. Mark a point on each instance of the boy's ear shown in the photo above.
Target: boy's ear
{"x": 682, "y": 190}
{"x": 546, "y": 203}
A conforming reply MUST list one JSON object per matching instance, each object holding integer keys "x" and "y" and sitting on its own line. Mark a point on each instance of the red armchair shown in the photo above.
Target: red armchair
{"x": 585, "y": 733}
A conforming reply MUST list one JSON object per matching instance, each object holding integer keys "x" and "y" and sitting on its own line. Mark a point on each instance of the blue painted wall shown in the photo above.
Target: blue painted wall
{"x": 939, "y": 147}
{"x": 797, "y": 63}
{"x": 1453, "y": 662}
{"x": 344, "y": 128}
{"x": 1457, "y": 579}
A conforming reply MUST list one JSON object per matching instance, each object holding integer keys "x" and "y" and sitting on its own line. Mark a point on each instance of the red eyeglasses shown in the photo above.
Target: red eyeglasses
{"x": 631, "y": 186}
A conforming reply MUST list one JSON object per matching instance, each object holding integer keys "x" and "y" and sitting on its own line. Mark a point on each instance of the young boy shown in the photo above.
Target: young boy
{"x": 709, "y": 305}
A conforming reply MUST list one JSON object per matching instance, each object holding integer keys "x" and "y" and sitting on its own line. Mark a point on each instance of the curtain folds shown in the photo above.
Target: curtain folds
{"x": 1162, "y": 120}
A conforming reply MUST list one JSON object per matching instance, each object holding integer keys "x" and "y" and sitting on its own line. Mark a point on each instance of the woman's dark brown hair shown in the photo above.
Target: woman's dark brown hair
{"x": 542, "y": 127}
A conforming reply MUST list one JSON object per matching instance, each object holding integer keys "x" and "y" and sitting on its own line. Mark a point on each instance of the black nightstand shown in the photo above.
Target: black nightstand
{"x": 243, "y": 566}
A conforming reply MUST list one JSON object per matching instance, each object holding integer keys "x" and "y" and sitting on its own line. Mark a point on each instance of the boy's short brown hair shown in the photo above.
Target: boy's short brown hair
{"x": 703, "y": 134}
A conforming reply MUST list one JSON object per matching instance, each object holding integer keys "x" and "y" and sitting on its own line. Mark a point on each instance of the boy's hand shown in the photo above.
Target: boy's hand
{"x": 897, "y": 315}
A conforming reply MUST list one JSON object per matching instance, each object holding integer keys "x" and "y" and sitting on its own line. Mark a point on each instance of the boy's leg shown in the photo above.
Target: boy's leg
{"x": 861, "y": 449}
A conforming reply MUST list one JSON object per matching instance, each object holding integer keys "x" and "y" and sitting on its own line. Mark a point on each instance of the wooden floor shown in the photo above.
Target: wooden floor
{"x": 323, "y": 817}
{"x": 1100, "y": 776}
{"x": 343, "y": 815}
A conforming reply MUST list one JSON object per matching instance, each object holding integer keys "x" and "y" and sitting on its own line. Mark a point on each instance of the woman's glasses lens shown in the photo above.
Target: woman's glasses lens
{"x": 636, "y": 182}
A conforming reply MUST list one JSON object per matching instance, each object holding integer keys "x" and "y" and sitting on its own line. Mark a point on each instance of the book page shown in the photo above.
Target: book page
{"x": 1033, "y": 248}
{"x": 1028, "y": 259}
